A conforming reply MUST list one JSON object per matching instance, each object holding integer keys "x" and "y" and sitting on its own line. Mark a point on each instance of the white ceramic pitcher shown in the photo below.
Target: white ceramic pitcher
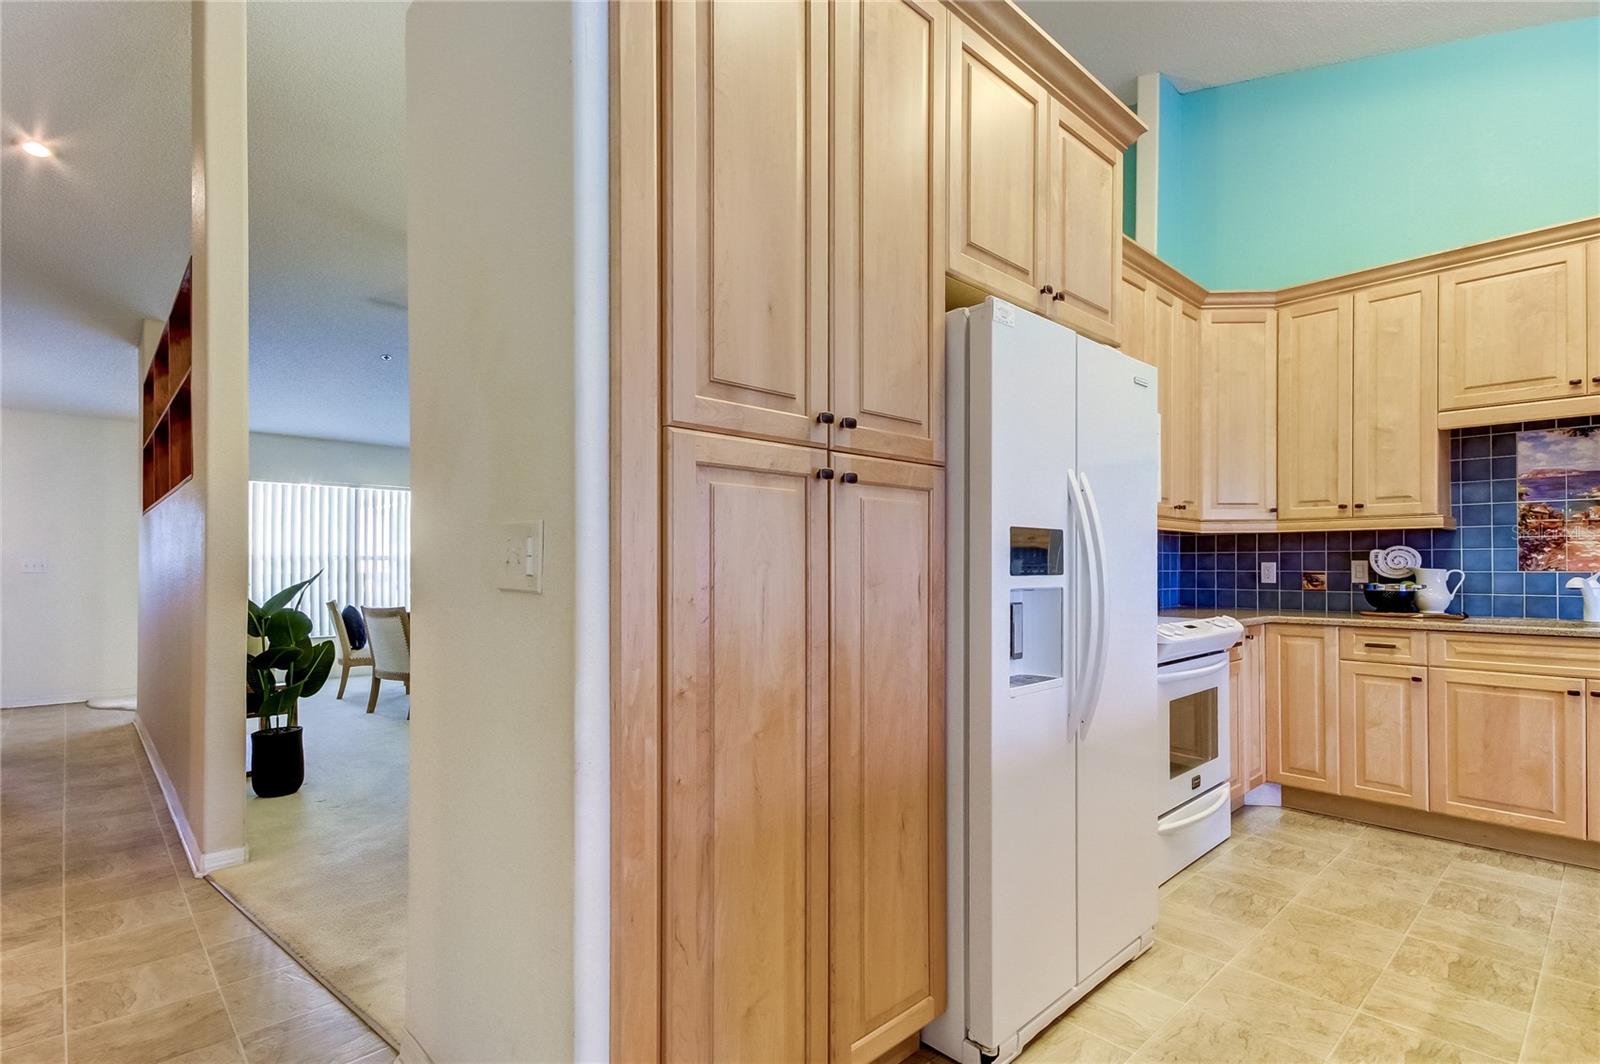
{"x": 1438, "y": 594}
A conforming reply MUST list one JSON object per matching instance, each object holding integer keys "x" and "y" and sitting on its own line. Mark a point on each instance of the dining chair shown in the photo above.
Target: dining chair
{"x": 349, "y": 657}
{"x": 389, "y": 636}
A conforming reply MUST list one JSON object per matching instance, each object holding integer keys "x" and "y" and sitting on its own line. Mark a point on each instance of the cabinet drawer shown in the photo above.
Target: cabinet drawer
{"x": 1541, "y": 655}
{"x": 1393, "y": 645}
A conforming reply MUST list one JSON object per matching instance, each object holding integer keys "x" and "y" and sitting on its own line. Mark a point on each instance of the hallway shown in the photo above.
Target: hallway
{"x": 110, "y": 951}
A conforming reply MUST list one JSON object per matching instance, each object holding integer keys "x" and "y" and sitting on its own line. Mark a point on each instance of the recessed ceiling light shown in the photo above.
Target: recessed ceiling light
{"x": 387, "y": 358}
{"x": 37, "y": 150}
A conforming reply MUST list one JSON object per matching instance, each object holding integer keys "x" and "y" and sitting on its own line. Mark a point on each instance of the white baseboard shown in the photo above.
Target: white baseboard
{"x": 58, "y": 698}
{"x": 200, "y": 862}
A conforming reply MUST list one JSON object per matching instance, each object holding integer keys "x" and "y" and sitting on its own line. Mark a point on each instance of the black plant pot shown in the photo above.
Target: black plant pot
{"x": 277, "y": 762}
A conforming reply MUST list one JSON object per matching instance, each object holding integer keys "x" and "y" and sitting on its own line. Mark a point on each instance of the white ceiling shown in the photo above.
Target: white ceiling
{"x": 1201, "y": 43}
{"x": 96, "y": 239}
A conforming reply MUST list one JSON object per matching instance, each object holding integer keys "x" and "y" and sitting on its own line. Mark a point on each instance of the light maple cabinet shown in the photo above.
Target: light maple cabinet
{"x": 744, "y": 871}
{"x": 1302, "y": 692}
{"x": 1383, "y": 733}
{"x": 1171, "y": 345}
{"x": 1238, "y": 414}
{"x": 1314, "y": 418}
{"x": 1508, "y": 749}
{"x": 1399, "y": 464}
{"x": 1133, "y": 312}
{"x": 999, "y": 193}
{"x": 745, "y": 205}
{"x": 886, "y": 753}
{"x": 803, "y": 744}
{"x": 1593, "y": 772}
{"x": 887, "y": 302}
{"x": 1085, "y": 225}
{"x": 1247, "y": 718}
{"x": 1514, "y": 329}
{"x": 1592, "y": 313}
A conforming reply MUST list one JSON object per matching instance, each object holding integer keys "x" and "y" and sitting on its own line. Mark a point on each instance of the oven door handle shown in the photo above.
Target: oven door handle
{"x": 1183, "y": 674}
{"x": 1211, "y": 807}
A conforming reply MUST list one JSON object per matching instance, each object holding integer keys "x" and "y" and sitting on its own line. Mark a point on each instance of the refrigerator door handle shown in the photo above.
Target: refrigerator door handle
{"x": 1083, "y": 631}
{"x": 1097, "y": 591}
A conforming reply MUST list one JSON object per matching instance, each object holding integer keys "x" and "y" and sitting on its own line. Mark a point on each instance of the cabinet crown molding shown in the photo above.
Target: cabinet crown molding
{"x": 1140, "y": 258}
{"x": 1008, "y": 26}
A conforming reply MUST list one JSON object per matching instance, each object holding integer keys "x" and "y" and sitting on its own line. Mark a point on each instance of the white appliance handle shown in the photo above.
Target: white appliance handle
{"x": 1204, "y": 670}
{"x": 1211, "y": 807}
{"x": 1097, "y": 590}
{"x": 1084, "y": 631}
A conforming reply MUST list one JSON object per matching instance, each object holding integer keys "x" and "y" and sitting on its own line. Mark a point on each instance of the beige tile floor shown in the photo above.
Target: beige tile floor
{"x": 1305, "y": 938}
{"x": 110, "y": 950}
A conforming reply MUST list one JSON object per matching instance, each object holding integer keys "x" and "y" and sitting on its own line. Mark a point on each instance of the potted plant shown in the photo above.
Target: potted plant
{"x": 280, "y": 642}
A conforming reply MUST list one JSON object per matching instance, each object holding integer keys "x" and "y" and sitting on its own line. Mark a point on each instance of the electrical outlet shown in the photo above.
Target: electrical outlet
{"x": 1358, "y": 571}
{"x": 35, "y": 565}
{"x": 521, "y": 558}
{"x": 1269, "y": 572}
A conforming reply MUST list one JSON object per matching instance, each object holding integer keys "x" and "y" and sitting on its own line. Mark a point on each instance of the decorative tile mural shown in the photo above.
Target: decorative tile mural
{"x": 1223, "y": 572}
{"x": 1558, "y": 499}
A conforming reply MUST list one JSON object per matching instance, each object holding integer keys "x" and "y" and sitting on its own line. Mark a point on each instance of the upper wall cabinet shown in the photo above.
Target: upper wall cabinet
{"x": 746, "y": 216}
{"x": 999, "y": 171}
{"x": 890, "y": 64}
{"x": 1400, "y": 467}
{"x": 1133, "y": 299}
{"x": 1314, "y": 408}
{"x": 1513, "y": 330}
{"x": 1238, "y": 414}
{"x": 1085, "y": 225}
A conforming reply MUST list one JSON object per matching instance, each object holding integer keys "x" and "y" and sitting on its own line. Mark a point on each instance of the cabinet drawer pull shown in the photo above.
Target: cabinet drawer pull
{"x": 1342, "y": 506}
{"x": 824, "y": 473}
{"x": 1380, "y": 646}
{"x": 847, "y": 422}
{"x": 1059, "y": 297}
{"x": 1047, "y": 290}
{"x": 1575, "y": 381}
{"x": 1574, "y": 693}
{"x": 1416, "y": 679}
{"x": 1272, "y": 509}
{"x": 825, "y": 418}
{"x": 1361, "y": 506}
{"x": 849, "y": 478}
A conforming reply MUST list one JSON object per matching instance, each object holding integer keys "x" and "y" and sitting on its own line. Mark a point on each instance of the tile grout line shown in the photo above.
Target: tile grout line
{"x": 188, "y": 906}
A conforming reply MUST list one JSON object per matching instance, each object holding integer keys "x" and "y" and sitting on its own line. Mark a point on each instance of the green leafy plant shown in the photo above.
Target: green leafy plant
{"x": 281, "y": 642}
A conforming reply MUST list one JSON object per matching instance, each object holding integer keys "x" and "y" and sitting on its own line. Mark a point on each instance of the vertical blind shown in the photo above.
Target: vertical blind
{"x": 360, "y": 539}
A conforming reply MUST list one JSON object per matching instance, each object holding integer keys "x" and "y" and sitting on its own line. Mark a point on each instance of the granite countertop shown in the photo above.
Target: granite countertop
{"x": 1504, "y": 625}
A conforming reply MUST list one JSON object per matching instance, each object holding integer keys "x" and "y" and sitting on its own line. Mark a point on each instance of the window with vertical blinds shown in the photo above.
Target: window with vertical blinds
{"x": 360, "y": 539}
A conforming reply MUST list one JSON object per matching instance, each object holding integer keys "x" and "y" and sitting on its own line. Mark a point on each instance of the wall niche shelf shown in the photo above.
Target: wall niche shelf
{"x": 168, "y": 403}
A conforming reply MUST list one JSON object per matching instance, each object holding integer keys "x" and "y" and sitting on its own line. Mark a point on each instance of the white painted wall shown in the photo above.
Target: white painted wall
{"x": 303, "y": 460}
{"x": 192, "y": 547}
{"x": 69, "y": 496}
{"x": 508, "y": 303}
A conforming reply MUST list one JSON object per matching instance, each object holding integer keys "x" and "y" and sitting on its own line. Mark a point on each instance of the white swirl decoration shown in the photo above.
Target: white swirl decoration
{"x": 1397, "y": 563}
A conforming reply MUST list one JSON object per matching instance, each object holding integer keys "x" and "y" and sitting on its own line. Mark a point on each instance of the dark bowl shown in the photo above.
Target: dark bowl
{"x": 1392, "y": 598}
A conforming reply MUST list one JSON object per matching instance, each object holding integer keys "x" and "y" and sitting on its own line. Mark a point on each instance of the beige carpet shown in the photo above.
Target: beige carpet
{"x": 327, "y": 869}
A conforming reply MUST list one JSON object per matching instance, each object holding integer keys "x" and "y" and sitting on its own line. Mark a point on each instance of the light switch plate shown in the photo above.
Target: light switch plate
{"x": 522, "y": 557}
{"x": 35, "y": 565}
{"x": 1358, "y": 571}
{"x": 1269, "y": 572}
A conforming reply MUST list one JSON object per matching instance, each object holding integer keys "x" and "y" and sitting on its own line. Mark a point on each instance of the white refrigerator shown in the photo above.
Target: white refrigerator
{"x": 1055, "y": 758}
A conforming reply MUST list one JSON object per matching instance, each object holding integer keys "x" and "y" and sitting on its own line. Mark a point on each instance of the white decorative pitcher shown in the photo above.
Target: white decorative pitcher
{"x": 1589, "y": 588}
{"x": 1438, "y": 594}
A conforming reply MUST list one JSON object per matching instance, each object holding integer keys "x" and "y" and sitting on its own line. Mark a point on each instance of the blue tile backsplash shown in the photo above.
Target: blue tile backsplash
{"x": 1222, "y": 572}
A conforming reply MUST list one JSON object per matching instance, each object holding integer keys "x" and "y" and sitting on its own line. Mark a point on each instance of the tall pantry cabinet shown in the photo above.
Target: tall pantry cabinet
{"x": 802, "y": 738}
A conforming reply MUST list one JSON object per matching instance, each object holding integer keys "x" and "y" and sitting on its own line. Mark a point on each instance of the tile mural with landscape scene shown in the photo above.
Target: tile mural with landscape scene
{"x": 1222, "y": 572}
{"x": 1558, "y": 499}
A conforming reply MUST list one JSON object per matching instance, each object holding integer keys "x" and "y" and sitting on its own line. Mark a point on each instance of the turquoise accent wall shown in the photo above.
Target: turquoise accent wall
{"x": 1313, "y": 173}
{"x": 1130, "y": 184}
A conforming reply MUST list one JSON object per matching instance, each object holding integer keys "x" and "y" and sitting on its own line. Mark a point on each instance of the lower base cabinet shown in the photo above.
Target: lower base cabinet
{"x": 1383, "y": 733}
{"x": 1508, "y": 749}
{"x": 1247, "y": 722}
{"x": 1302, "y": 696}
{"x": 802, "y": 891}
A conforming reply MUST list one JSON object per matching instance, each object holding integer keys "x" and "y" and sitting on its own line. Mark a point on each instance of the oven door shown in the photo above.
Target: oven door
{"x": 1194, "y": 708}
